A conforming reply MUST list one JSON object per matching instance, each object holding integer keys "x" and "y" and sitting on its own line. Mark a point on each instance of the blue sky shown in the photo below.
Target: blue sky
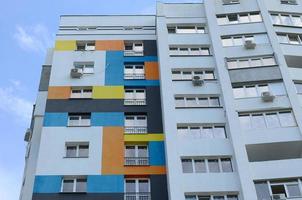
{"x": 28, "y": 27}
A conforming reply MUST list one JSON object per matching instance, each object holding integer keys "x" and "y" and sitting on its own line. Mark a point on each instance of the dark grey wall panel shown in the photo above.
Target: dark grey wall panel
{"x": 255, "y": 74}
{"x": 150, "y": 48}
{"x": 159, "y": 187}
{"x": 89, "y": 196}
{"x": 45, "y": 76}
{"x": 152, "y": 109}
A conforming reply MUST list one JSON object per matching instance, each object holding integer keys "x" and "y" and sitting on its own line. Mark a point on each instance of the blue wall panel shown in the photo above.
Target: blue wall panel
{"x": 47, "y": 184}
{"x": 141, "y": 82}
{"x": 105, "y": 184}
{"x": 107, "y": 119}
{"x": 157, "y": 153}
{"x": 55, "y": 119}
{"x": 140, "y": 59}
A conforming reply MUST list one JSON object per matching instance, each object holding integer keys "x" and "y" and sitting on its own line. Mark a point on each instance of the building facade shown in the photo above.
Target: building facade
{"x": 201, "y": 101}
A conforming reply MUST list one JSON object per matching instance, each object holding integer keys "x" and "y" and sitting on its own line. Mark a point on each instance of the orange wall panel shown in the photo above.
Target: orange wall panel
{"x": 151, "y": 70}
{"x": 145, "y": 170}
{"x": 113, "y": 150}
{"x": 109, "y": 45}
{"x": 59, "y": 92}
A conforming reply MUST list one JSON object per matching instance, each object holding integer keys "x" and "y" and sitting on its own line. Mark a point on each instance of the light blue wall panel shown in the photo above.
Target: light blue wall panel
{"x": 107, "y": 119}
{"x": 55, "y": 119}
{"x": 105, "y": 184}
{"x": 47, "y": 184}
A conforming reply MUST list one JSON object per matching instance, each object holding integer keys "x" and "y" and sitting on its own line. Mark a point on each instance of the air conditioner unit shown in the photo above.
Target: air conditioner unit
{"x": 267, "y": 97}
{"x": 27, "y": 135}
{"x": 249, "y": 44}
{"x": 76, "y": 73}
{"x": 197, "y": 81}
{"x": 278, "y": 196}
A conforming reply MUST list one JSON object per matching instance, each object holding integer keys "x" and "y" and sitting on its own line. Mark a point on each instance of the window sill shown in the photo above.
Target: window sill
{"x": 75, "y": 157}
{"x": 288, "y": 26}
{"x": 198, "y": 107}
{"x": 241, "y": 23}
{"x": 190, "y": 55}
{"x": 252, "y": 67}
{"x": 259, "y": 97}
{"x": 291, "y": 44}
{"x": 229, "y": 4}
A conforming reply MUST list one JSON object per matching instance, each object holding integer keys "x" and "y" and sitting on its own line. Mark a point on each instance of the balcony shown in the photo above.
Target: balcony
{"x": 135, "y": 102}
{"x": 133, "y": 53}
{"x": 137, "y": 76}
{"x": 138, "y": 196}
{"x": 135, "y": 130}
{"x": 136, "y": 161}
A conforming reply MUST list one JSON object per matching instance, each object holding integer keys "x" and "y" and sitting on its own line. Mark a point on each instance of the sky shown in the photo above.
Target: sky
{"x": 28, "y": 28}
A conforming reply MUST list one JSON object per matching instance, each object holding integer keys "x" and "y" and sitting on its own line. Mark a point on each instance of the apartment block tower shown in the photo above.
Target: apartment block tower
{"x": 202, "y": 101}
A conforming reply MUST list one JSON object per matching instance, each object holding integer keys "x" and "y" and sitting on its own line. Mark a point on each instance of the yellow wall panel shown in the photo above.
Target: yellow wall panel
{"x": 144, "y": 138}
{"x": 65, "y": 45}
{"x": 108, "y": 92}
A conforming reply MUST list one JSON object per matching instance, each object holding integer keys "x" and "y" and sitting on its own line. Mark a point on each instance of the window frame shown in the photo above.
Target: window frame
{"x": 77, "y": 145}
{"x": 75, "y": 181}
{"x": 80, "y": 116}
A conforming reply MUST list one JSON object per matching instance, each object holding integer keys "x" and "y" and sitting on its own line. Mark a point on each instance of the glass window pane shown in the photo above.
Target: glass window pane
{"x": 219, "y": 132}
{"x": 233, "y": 19}
{"x": 245, "y": 122}
{"x": 130, "y": 186}
{"x": 187, "y": 166}
{"x": 244, "y": 18}
{"x": 258, "y": 121}
{"x": 269, "y": 61}
{"x": 232, "y": 64}
{"x": 256, "y": 62}
{"x": 68, "y": 186}
{"x": 297, "y": 20}
{"x": 204, "y": 197}
{"x": 204, "y": 102}
{"x": 190, "y": 197}
{"x": 213, "y": 165}
{"x": 218, "y": 197}
{"x": 244, "y": 63}
{"x": 214, "y": 101}
{"x": 277, "y": 88}
{"x": 227, "y": 42}
{"x": 191, "y": 102}
{"x": 182, "y": 130}
{"x": 287, "y": 119}
{"x": 255, "y": 17}
{"x": 81, "y": 185}
{"x": 176, "y": 75}
{"x": 226, "y": 165}
{"x": 293, "y": 39}
{"x": 179, "y": 102}
{"x": 83, "y": 151}
{"x": 200, "y": 166}
{"x": 142, "y": 151}
{"x": 71, "y": 151}
{"x": 143, "y": 186}
{"x": 238, "y": 92}
{"x": 232, "y": 197}
{"x": 207, "y": 132}
{"x": 293, "y": 190}
{"x": 272, "y": 120}
{"x": 298, "y": 87}
{"x": 209, "y": 75}
{"x": 222, "y": 20}
{"x": 130, "y": 151}
{"x": 285, "y": 20}
{"x": 195, "y": 131}
{"x": 251, "y": 91}
{"x": 204, "y": 51}
{"x": 276, "y": 19}
{"x": 283, "y": 39}
{"x": 237, "y": 41}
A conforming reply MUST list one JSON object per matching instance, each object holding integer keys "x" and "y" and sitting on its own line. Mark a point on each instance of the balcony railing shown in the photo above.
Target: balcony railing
{"x": 135, "y": 129}
{"x": 131, "y": 76}
{"x": 138, "y": 196}
{"x": 133, "y": 53}
{"x": 136, "y": 161}
{"x": 135, "y": 102}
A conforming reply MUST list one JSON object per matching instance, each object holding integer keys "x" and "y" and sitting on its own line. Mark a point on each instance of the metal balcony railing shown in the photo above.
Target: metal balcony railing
{"x": 134, "y": 76}
{"x": 135, "y": 129}
{"x": 135, "y": 102}
{"x": 138, "y": 196}
{"x": 136, "y": 161}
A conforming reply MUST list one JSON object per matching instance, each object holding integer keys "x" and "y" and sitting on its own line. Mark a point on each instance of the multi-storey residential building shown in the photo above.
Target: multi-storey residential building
{"x": 201, "y": 101}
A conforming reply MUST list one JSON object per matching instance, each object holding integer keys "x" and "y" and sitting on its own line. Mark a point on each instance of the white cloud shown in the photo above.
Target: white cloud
{"x": 12, "y": 103}
{"x": 35, "y": 38}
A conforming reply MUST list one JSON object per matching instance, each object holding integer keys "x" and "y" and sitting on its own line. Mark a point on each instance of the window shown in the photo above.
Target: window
{"x": 135, "y": 48}
{"x": 267, "y": 120}
{"x": 290, "y": 189}
{"x": 187, "y": 74}
{"x": 294, "y": 39}
{"x": 134, "y": 71}
{"x": 239, "y": 18}
{"x": 85, "y": 45}
{"x": 136, "y": 155}
{"x": 77, "y": 150}
{"x": 299, "y": 88}
{"x": 78, "y": 184}
{"x": 189, "y": 51}
{"x": 137, "y": 189}
{"x": 211, "y": 197}
{"x": 206, "y": 165}
{"x": 135, "y": 124}
{"x": 80, "y": 93}
{"x": 248, "y": 91}
{"x": 251, "y": 62}
{"x": 197, "y": 102}
{"x": 79, "y": 119}
{"x": 135, "y": 97}
{"x": 227, "y": 2}
{"x": 289, "y": 2}
{"x": 184, "y": 29}
{"x": 84, "y": 67}
{"x": 239, "y": 40}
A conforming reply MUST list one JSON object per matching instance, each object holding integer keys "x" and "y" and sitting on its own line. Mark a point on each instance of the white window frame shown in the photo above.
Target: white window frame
{"x": 136, "y": 149}
{"x": 289, "y": 2}
{"x": 256, "y": 38}
{"x": 180, "y": 51}
{"x": 197, "y": 101}
{"x": 249, "y": 60}
{"x": 194, "y": 72}
{"x": 135, "y": 69}
{"x": 225, "y": 196}
{"x": 136, "y": 100}
{"x": 88, "y": 45}
{"x": 239, "y": 21}
{"x": 206, "y": 161}
{"x": 81, "y": 121}
{"x": 198, "y": 29}
{"x": 201, "y": 134}
{"x": 299, "y": 36}
{"x": 82, "y": 66}
{"x": 135, "y": 51}
{"x": 75, "y": 180}
{"x": 137, "y": 184}
{"x": 82, "y": 94}
{"x": 77, "y": 145}
{"x": 285, "y": 184}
